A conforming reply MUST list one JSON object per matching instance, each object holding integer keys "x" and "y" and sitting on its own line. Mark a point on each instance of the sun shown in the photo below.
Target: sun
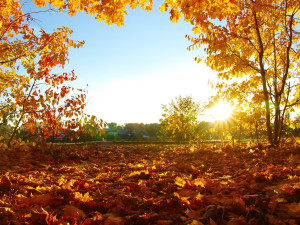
{"x": 221, "y": 111}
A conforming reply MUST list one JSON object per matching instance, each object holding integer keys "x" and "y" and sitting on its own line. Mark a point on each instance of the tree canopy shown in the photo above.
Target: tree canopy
{"x": 179, "y": 121}
{"x": 255, "y": 45}
{"x": 32, "y": 95}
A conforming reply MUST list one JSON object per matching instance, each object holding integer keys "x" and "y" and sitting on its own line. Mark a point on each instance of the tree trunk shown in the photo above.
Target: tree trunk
{"x": 267, "y": 106}
{"x": 277, "y": 122}
{"x": 263, "y": 78}
{"x": 256, "y": 132}
{"x": 22, "y": 114}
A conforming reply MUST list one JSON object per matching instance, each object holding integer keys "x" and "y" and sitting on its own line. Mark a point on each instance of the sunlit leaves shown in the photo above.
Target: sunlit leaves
{"x": 163, "y": 7}
{"x": 111, "y": 12}
{"x": 31, "y": 94}
{"x": 257, "y": 40}
{"x": 179, "y": 120}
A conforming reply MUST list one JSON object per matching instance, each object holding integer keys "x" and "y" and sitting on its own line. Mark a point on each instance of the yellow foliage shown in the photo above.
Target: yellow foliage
{"x": 83, "y": 197}
{"x": 180, "y": 182}
{"x": 163, "y": 7}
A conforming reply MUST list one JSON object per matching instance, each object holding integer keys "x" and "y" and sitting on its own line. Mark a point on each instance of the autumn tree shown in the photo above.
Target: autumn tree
{"x": 179, "y": 120}
{"x": 254, "y": 123}
{"x": 253, "y": 43}
{"x": 152, "y": 129}
{"x": 244, "y": 121}
{"x": 31, "y": 95}
{"x": 113, "y": 126}
{"x": 26, "y": 60}
{"x": 238, "y": 123}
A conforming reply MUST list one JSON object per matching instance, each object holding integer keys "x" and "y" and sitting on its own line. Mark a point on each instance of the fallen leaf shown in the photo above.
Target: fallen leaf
{"x": 212, "y": 222}
{"x": 180, "y": 182}
{"x": 238, "y": 221}
{"x": 114, "y": 220}
{"x": 195, "y": 222}
{"x": 164, "y": 222}
{"x": 70, "y": 210}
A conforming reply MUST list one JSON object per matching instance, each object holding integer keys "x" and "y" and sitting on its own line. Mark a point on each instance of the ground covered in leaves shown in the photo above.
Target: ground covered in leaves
{"x": 151, "y": 184}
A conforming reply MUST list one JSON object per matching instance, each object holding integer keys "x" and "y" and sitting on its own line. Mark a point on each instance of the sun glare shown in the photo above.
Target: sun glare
{"x": 221, "y": 111}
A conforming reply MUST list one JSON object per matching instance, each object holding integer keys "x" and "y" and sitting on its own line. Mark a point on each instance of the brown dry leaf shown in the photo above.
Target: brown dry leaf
{"x": 187, "y": 168}
{"x": 199, "y": 201}
{"x": 146, "y": 192}
{"x": 238, "y": 221}
{"x": 44, "y": 199}
{"x": 164, "y": 222}
{"x": 70, "y": 210}
{"x": 113, "y": 220}
{"x": 211, "y": 211}
{"x": 212, "y": 222}
{"x": 273, "y": 220}
{"x": 187, "y": 193}
{"x": 238, "y": 206}
{"x": 273, "y": 204}
{"x": 194, "y": 214}
{"x": 130, "y": 201}
{"x": 293, "y": 209}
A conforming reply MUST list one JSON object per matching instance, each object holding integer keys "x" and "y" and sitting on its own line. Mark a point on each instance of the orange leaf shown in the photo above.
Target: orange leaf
{"x": 212, "y": 222}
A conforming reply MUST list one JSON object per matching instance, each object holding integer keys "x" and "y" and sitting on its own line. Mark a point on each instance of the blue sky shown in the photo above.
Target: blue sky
{"x": 133, "y": 69}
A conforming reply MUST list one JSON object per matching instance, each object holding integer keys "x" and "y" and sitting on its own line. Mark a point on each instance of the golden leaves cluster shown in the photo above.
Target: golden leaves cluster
{"x": 31, "y": 94}
{"x": 111, "y": 12}
{"x": 253, "y": 45}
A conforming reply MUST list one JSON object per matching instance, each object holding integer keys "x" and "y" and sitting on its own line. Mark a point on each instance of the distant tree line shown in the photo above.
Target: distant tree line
{"x": 181, "y": 122}
{"x": 116, "y": 132}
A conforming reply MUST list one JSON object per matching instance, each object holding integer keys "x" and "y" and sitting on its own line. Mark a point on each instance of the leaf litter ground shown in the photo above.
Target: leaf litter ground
{"x": 151, "y": 184}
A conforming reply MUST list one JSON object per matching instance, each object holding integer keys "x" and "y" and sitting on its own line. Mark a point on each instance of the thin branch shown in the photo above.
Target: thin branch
{"x": 287, "y": 56}
{"x": 11, "y": 60}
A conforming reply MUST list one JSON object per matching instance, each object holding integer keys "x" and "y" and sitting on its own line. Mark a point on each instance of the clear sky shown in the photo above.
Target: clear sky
{"x": 133, "y": 69}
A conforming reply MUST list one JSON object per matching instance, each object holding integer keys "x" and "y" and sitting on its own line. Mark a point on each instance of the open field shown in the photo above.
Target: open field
{"x": 151, "y": 184}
